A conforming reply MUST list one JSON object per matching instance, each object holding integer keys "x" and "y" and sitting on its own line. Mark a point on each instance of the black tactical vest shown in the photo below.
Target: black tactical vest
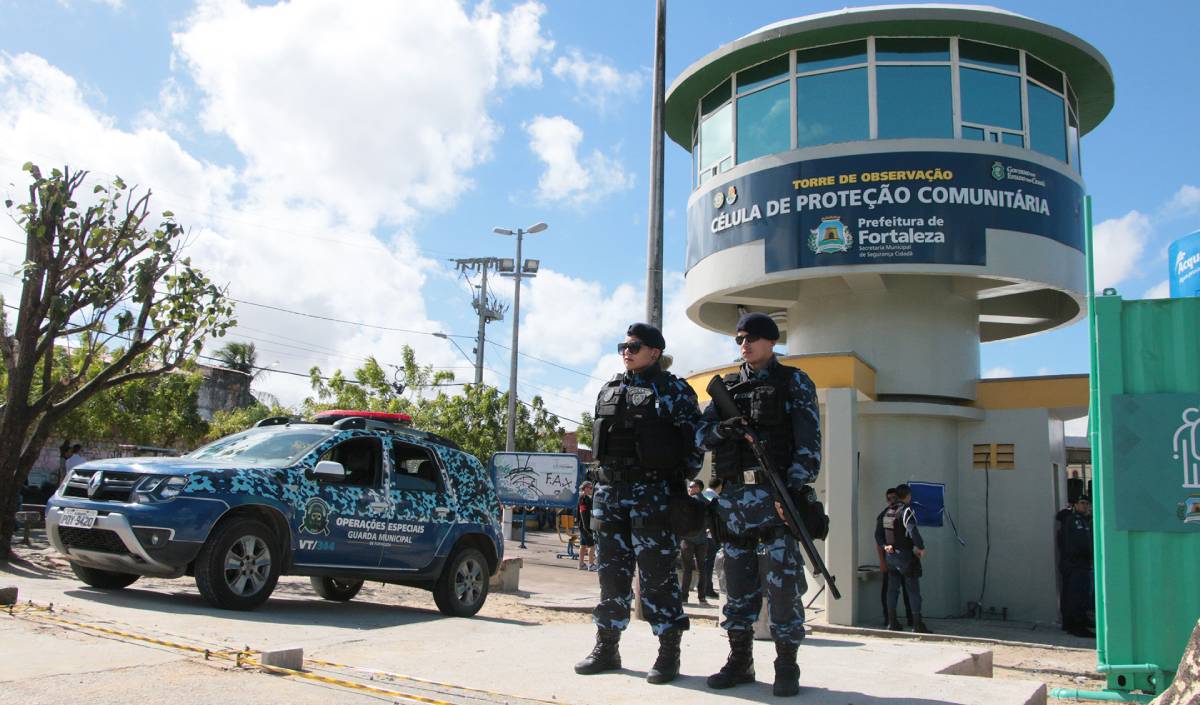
{"x": 895, "y": 534}
{"x": 632, "y": 428}
{"x": 761, "y": 401}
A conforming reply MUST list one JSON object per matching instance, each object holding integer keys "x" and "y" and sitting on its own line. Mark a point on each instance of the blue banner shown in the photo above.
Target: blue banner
{"x": 1184, "y": 258}
{"x": 891, "y": 208}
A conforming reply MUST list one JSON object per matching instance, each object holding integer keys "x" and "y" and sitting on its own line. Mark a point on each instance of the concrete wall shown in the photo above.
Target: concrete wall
{"x": 1021, "y": 572}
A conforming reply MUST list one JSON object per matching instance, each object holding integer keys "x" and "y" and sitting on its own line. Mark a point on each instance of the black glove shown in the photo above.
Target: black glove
{"x": 733, "y": 428}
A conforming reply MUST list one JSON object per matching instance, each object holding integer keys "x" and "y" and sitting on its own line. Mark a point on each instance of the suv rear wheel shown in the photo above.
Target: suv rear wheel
{"x": 103, "y": 579}
{"x": 336, "y": 589}
{"x": 239, "y": 565}
{"x": 463, "y": 585}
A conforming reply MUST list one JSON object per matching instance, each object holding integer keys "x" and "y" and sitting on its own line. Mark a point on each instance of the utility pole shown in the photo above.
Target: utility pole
{"x": 654, "y": 225}
{"x": 488, "y": 308}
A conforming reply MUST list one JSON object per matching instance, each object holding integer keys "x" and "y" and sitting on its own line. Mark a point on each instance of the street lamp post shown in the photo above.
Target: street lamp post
{"x": 519, "y": 272}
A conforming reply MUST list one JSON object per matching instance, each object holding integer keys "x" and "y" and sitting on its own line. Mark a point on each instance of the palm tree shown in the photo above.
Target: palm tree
{"x": 241, "y": 357}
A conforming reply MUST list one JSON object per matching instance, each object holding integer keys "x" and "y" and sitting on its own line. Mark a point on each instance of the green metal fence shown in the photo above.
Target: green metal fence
{"x": 1145, "y": 429}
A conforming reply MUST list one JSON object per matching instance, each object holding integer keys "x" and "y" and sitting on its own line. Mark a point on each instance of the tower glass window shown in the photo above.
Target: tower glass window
{"x": 923, "y": 87}
{"x": 914, "y": 101}
{"x": 832, "y": 107}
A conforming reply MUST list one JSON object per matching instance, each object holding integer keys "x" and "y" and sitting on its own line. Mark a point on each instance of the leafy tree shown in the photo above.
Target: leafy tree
{"x": 224, "y": 423}
{"x": 155, "y": 411}
{"x": 584, "y": 431}
{"x": 475, "y": 419}
{"x": 371, "y": 389}
{"x": 118, "y": 293}
{"x": 242, "y": 357}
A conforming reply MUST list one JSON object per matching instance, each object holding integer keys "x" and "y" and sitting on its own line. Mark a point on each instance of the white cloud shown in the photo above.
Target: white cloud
{"x": 346, "y": 104}
{"x": 998, "y": 373}
{"x": 172, "y": 103}
{"x": 596, "y": 80}
{"x": 1184, "y": 202}
{"x": 1119, "y": 243}
{"x": 577, "y": 323}
{"x": 567, "y": 179}
{"x": 320, "y": 100}
{"x": 1161, "y": 290}
{"x": 523, "y": 44}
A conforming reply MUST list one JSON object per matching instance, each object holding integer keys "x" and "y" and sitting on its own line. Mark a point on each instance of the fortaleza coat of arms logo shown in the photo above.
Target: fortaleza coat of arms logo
{"x": 830, "y": 236}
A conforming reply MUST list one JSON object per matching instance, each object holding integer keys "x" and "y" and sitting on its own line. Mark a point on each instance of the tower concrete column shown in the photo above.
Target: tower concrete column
{"x": 840, "y": 472}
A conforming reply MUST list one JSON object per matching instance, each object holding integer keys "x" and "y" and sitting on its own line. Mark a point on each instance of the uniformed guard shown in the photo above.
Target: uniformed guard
{"x": 1076, "y": 565}
{"x": 644, "y": 437}
{"x": 897, "y": 534}
{"x": 780, "y": 404}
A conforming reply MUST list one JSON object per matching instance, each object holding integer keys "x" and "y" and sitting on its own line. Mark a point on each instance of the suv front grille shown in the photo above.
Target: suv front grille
{"x": 114, "y": 486}
{"x": 92, "y": 539}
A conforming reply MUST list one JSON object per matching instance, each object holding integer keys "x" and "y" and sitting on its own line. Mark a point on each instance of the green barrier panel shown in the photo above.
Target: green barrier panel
{"x": 1145, "y": 431}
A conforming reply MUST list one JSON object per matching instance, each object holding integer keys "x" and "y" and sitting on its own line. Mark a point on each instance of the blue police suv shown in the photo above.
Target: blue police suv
{"x": 347, "y": 497}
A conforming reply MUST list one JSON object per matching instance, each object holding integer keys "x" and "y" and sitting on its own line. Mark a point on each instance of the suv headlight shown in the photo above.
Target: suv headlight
{"x": 159, "y": 488}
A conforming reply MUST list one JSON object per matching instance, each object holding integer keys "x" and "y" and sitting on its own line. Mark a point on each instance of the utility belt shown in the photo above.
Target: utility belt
{"x": 751, "y": 539}
{"x": 613, "y": 473}
{"x": 753, "y": 476}
{"x": 616, "y": 527}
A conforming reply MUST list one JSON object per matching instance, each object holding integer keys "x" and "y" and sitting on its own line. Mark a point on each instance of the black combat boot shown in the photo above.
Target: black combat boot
{"x": 919, "y": 624}
{"x": 787, "y": 673}
{"x": 605, "y": 656}
{"x": 893, "y": 624}
{"x": 739, "y": 668}
{"x": 666, "y": 666}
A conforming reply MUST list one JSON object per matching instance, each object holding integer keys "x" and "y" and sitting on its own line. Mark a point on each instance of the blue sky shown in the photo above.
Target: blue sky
{"x": 330, "y": 158}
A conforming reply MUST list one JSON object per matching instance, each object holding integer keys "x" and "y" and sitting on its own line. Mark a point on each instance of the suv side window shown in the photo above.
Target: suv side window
{"x": 414, "y": 469}
{"x": 362, "y": 458}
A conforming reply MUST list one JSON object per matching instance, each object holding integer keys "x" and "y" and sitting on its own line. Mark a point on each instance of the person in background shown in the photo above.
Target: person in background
{"x": 897, "y": 534}
{"x": 75, "y": 459}
{"x": 883, "y": 569}
{"x": 693, "y": 551}
{"x": 583, "y": 519}
{"x": 1075, "y": 564}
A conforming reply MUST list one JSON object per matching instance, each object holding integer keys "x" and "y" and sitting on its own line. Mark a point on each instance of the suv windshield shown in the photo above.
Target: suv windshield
{"x": 270, "y": 447}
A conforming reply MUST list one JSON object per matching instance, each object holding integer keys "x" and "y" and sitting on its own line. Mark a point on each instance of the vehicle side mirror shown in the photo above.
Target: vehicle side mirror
{"x": 329, "y": 471}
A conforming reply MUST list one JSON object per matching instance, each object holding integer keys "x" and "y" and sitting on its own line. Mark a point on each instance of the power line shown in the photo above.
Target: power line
{"x": 347, "y": 322}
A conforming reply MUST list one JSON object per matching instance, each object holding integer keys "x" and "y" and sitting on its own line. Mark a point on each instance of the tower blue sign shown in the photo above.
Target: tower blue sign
{"x": 889, "y": 208}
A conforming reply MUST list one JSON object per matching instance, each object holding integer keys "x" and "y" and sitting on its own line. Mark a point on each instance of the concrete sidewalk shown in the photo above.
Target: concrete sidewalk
{"x": 512, "y": 659}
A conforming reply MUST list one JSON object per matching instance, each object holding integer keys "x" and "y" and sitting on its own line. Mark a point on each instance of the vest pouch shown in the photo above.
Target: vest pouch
{"x": 765, "y": 406}
{"x": 660, "y": 445}
{"x": 812, "y": 513}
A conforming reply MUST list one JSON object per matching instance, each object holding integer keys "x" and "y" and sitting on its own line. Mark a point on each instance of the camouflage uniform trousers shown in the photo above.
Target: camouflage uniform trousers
{"x": 621, "y": 541}
{"x": 743, "y": 510}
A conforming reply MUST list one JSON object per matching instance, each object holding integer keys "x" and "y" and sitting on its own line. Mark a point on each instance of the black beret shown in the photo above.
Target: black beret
{"x": 648, "y": 334}
{"x": 759, "y": 324}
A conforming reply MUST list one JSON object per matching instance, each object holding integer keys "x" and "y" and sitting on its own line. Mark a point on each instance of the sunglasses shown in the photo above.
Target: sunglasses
{"x": 747, "y": 339}
{"x": 634, "y": 348}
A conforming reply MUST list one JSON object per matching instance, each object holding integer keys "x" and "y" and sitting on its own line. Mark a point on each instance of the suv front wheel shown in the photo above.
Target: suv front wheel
{"x": 463, "y": 585}
{"x": 239, "y": 565}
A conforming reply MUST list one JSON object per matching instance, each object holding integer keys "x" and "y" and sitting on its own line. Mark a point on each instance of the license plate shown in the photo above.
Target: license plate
{"x": 78, "y": 518}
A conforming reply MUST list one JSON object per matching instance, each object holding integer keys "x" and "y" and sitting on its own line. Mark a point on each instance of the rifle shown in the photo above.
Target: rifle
{"x": 727, "y": 409}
